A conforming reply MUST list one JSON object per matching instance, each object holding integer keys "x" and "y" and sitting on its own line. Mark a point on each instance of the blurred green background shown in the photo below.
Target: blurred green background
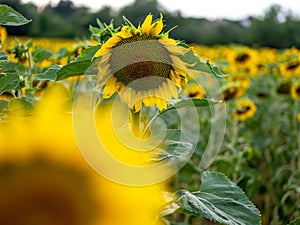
{"x": 277, "y": 28}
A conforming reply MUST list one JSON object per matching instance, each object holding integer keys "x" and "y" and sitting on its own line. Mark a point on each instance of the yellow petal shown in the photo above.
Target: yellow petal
{"x": 110, "y": 87}
{"x": 111, "y": 42}
{"x": 172, "y": 88}
{"x": 146, "y": 26}
{"x": 137, "y": 106}
{"x": 157, "y": 27}
{"x": 124, "y": 34}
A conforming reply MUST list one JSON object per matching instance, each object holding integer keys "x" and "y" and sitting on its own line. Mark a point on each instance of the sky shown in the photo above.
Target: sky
{"x": 211, "y": 9}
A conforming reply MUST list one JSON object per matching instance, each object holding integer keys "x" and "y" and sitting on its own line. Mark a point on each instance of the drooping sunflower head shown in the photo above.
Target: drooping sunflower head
{"x": 295, "y": 91}
{"x": 244, "y": 109}
{"x": 142, "y": 65}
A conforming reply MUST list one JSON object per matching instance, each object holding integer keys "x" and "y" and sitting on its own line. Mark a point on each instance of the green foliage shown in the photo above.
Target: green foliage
{"x": 10, "y": 17}
{"x": 40, "y": 54}
{"x": 8, "y": 81}
{"x": 219, "y": 200}
{"x": 295, "y": 222}
{"x": 253, "y": 31}
{"x": 259, "y": 156}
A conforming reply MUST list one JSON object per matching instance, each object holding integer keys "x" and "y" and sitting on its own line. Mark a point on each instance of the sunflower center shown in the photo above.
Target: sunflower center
{"x": 243, "y": 110}
{"x": 146, "y": 69}
{"x": 140, "y": 57}
{"x": 293, "y": 66}
{"x": 243, "y": 57}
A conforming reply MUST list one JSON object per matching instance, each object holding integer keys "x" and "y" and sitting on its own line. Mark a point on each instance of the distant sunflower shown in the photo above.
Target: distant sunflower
{"x": 295, "y": 91}
{"x": 290, "y": 65}
{"x": 244, "y": 109}
{"x": 195, "y": 91}
{"x": 150, "y": 55}
{"x": 236, "y": 86}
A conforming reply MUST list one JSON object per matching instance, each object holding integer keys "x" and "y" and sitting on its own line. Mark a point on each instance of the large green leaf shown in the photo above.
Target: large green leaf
{"x": 80, "y": 65}
{"x": 219, "y": 199}
{"x": 10, "y": 17}
{"x": 8, "y": 82}
{"x": 76, "y": 68}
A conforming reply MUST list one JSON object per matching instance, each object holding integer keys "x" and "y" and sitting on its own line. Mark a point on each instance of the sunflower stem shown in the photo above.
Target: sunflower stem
{"x": 135, "y": 123}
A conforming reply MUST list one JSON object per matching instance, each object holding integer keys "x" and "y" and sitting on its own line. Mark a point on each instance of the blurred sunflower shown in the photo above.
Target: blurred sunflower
{"x": 236, "y": 86}
{"x": 295, "y": 91}
{"x": 243, "y": 59}
{"x": 195, "y": 91}
{"x": 3, "y": 37}
{"x": 45, "y": 180}
{"x": 244, "y": 109}
{"x": 142, "y": 52}
{"x": 291, "y": 63}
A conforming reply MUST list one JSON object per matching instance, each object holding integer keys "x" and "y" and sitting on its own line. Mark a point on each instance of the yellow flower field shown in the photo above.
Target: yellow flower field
{"x": 57, "y": 95}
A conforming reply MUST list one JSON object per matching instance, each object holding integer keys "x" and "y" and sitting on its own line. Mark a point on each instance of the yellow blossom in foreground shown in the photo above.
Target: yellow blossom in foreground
{"x": 45, "y": 180}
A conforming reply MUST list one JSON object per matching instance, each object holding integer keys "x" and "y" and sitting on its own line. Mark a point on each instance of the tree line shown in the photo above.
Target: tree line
{"x": 276, "y": 28}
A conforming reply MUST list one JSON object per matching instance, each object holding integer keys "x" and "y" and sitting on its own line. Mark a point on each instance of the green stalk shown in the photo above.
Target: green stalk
{"x": 135, "y": 123}
{"x": 30, "y": 78}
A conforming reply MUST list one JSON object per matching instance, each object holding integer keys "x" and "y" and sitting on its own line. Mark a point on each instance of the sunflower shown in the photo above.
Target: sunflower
{"x": 295, "y": 91}
{"x": 290, "y": 65}
{"x": 144, "y": 65}
{"x": 236, "y": 86}
{"x": 45, "y": 180}
{"x": 244, "y": 109}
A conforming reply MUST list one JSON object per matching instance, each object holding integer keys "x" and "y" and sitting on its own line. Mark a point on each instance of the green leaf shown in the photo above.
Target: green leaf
{"x": 175, "y": 145}
{"x": 3, "y": 62}
{"x": 3, "y": 56}
{"x": 10, "y": 17}
{"x": 295, "y": 222}
{"x": 40, "y": 54}
{"x": 9, "y": 82}
{"x": 219, "y": 199}
{"x": 76, "y": 68}
{"x": 192, "y": 102}
{"x": 3, "y": 59}
{"x": 49, "y": 74}
{"x": 19, "y": 104}
{"x": 204, "y": 66}
{"x": 88, "y": 53}
{"x": 63, "y": 52}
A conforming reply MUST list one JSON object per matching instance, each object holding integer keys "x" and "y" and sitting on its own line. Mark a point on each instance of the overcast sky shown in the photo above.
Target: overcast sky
{"x": 211, "y": 9}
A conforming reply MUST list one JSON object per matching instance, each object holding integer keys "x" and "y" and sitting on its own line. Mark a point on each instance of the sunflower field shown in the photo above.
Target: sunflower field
{"x": 133, "y": 127}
